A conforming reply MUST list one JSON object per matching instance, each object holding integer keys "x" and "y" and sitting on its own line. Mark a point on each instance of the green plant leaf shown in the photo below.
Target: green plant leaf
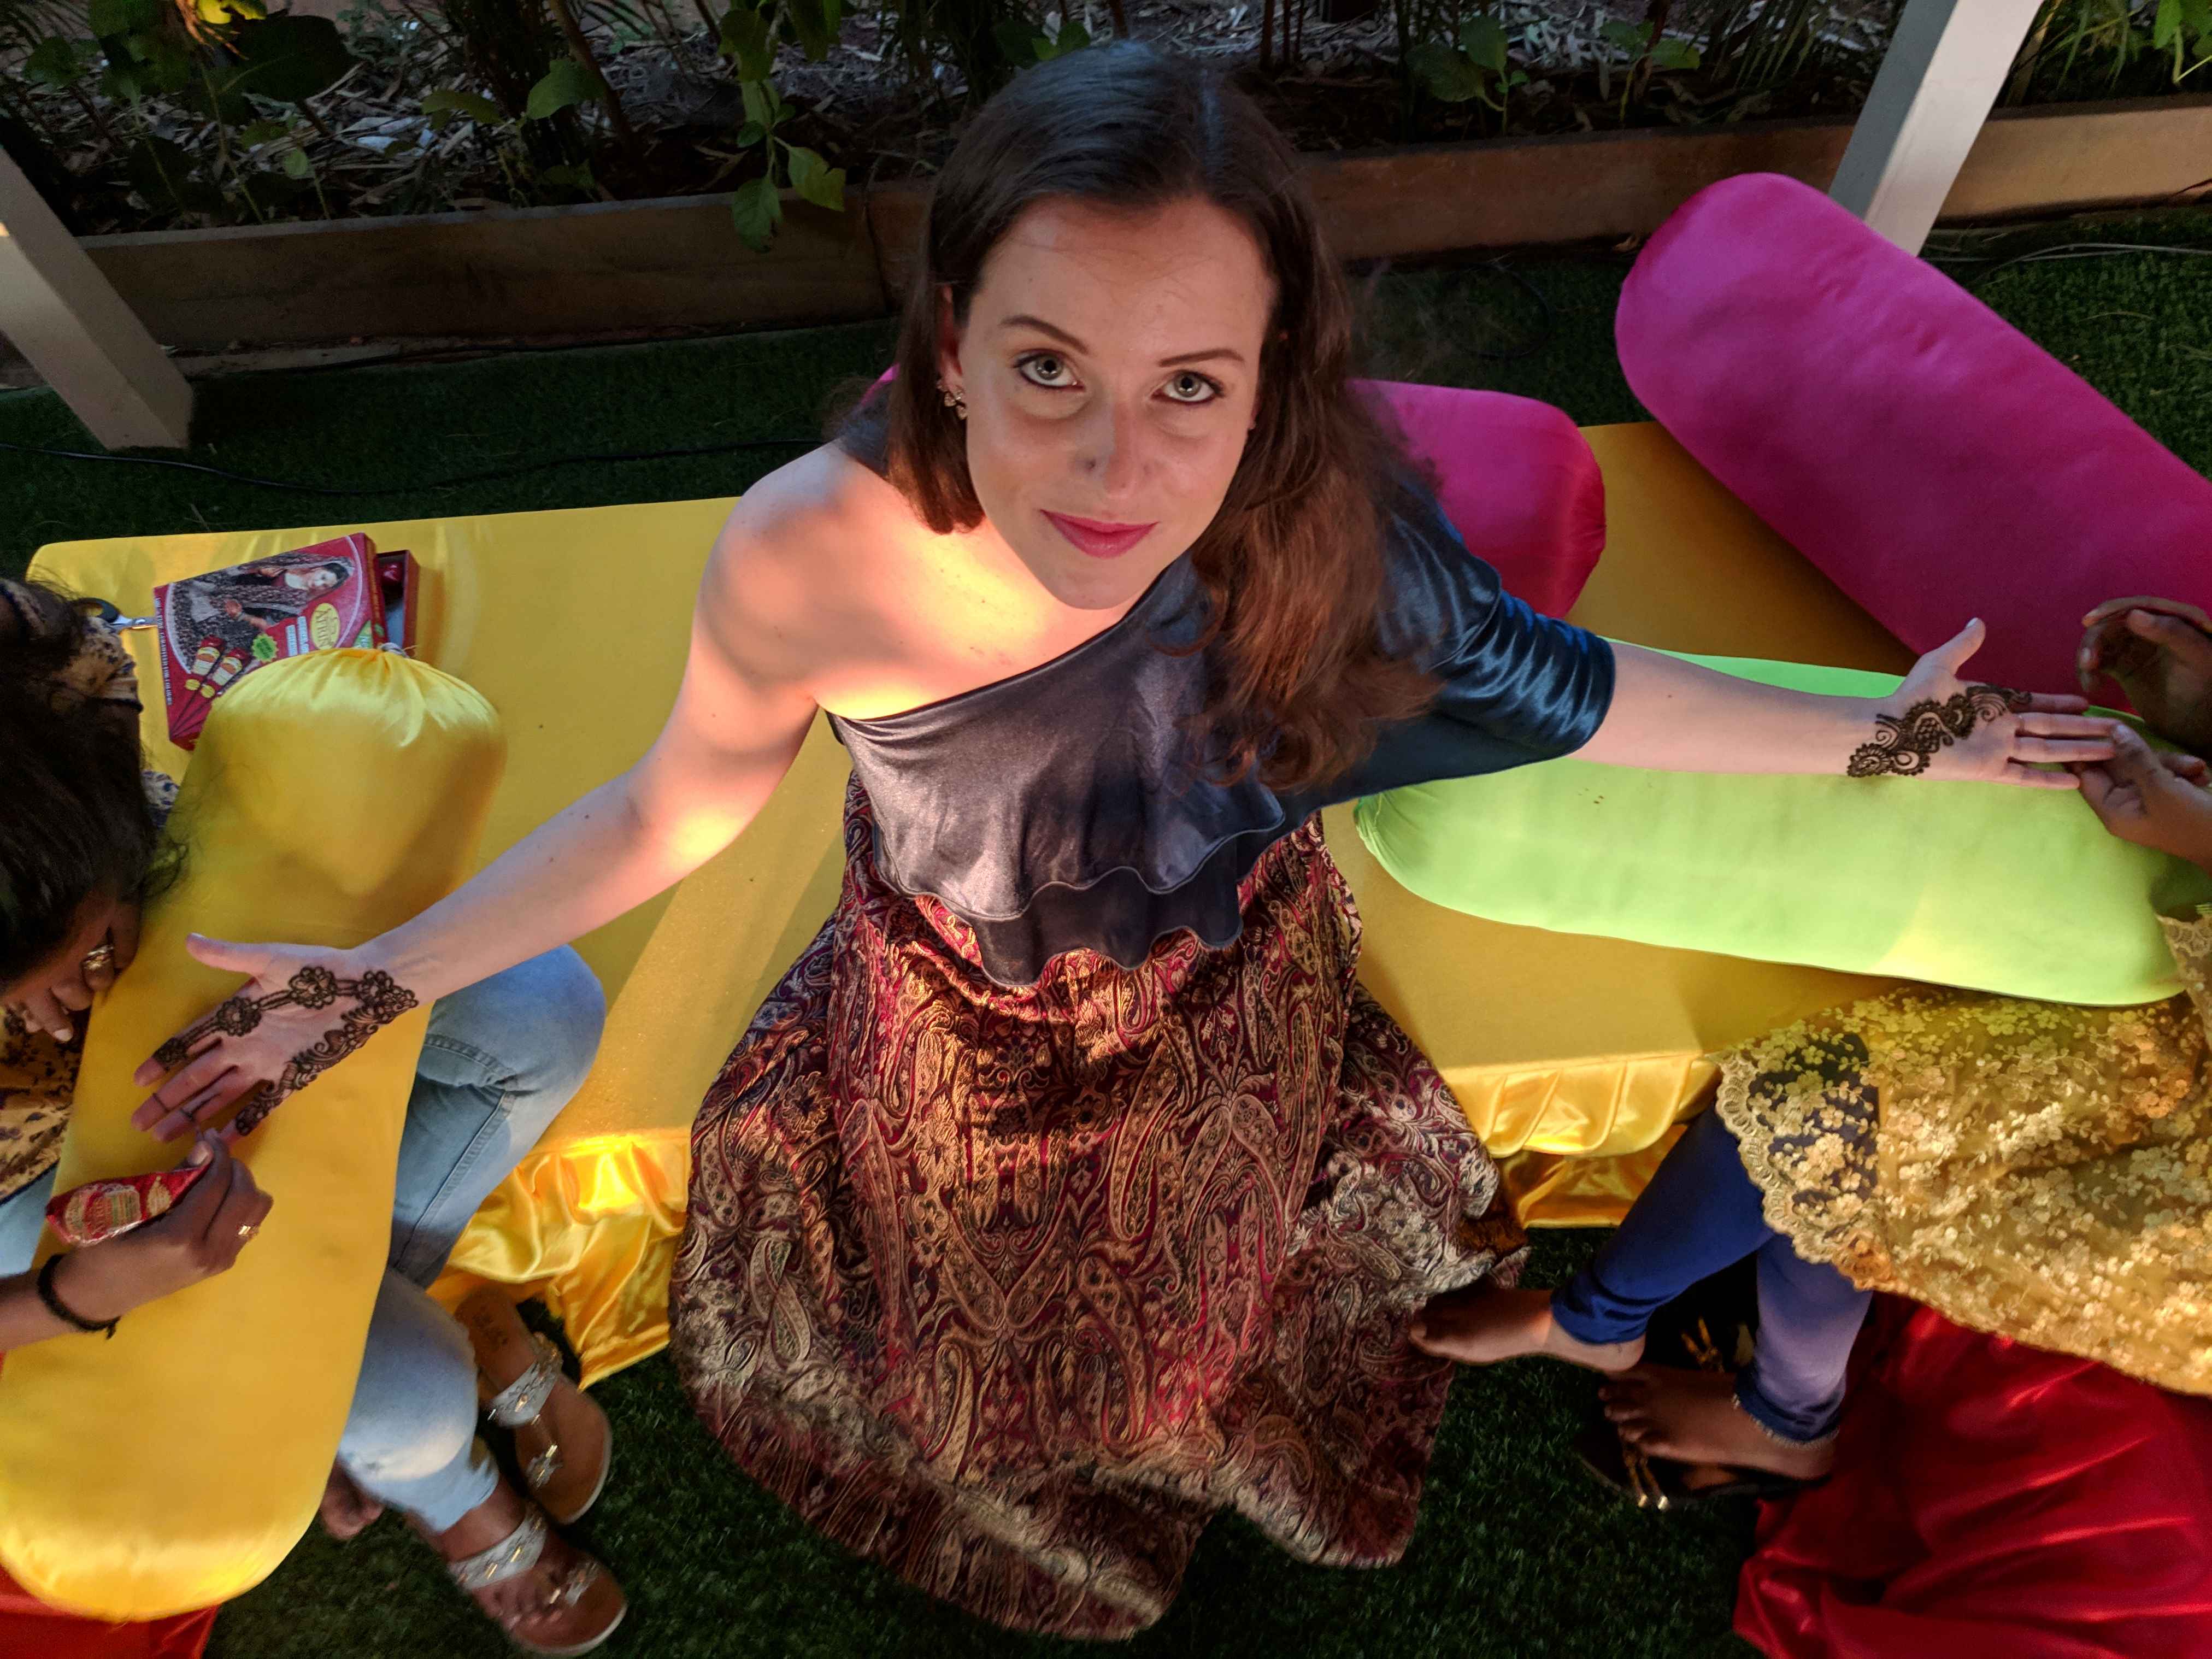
{"x": 119, "y": 84}
{"x": 1483, "y": 40}
{"x": 263, "y": 132}
{"x": 750, "y": 134}
{"x": 291, "y": 58}
{"x": 1445, "y": 73}
{"x": 1018, "y": 39}
{"x": 816, "y": 29}
{"x": 110, "y": 18}
{"x": 747, "y": 42}
{"x": 447, "y": 102}
{"x": 162, "y": 172}
{"x": 296, "y": 164}
{"x": 575, "y": 177}
{"x": 1669, "y": 54}
{"x": 763, "y": 105}
{"x": 1630, "y": 38}
{"x": 2165, "y": 26}
{"x": 815, "y": 180}
{"x": 1074, "y": 37}
{"x": 162, "y": 64}
{"x": 53, "y": 63}
{"x": 566, "y": 84}
{"x": 756, "y": 211}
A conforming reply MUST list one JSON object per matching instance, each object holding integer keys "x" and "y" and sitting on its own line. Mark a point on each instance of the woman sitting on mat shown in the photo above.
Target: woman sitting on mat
{"x": 2041, "y": 1172}
{"x": 1069, "y": 1189}
{"x": 82, "y": 847}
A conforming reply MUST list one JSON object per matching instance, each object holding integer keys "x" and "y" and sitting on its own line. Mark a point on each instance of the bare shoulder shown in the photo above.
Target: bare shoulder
{"x": 790, "y": 584}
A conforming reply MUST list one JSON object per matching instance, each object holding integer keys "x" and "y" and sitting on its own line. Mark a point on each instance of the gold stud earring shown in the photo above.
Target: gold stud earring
{"x": 955, "y": 399}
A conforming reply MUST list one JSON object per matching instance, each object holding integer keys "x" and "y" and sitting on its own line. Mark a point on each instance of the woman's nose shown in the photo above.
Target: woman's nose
{"x": 1111, "y": 452}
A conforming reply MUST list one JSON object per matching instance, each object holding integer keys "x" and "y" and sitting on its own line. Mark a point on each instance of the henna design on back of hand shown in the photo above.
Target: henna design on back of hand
{"x": 376, "y": 998}
{"x": 1904, "y": 745}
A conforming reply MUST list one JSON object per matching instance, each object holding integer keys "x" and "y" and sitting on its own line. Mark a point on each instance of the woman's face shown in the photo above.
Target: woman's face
{"x": 1112, "y": 366}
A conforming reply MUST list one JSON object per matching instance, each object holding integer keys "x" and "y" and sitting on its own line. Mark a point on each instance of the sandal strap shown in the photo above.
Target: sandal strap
{"x": 522, "y": 1400}
{"x": 512, "y": 1556}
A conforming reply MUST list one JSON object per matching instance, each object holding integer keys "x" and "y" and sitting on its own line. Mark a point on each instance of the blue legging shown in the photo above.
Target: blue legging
{"x": 1701, "y": 1213}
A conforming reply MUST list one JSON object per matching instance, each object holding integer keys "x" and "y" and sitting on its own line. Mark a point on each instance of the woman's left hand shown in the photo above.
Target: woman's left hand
{"x": 1939, "y": 725}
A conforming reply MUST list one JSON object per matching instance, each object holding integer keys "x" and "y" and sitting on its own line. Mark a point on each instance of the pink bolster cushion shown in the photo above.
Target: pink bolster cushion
{"x": 1514, "y": 477}
{"x": 1933, "y": 461}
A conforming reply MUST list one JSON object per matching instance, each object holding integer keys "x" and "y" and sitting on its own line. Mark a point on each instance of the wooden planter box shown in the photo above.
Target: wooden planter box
{"x": 677, "y": 263}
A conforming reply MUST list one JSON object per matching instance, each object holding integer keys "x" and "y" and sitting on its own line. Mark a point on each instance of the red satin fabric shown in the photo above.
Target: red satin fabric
{"x": 1991, "y": 1501}
{"x": 29, "y": 1626}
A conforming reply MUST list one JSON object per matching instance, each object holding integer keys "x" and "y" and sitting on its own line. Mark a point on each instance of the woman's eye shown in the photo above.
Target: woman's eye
{"x": 1189, "y": 388}
{"x": 1046, "y": 370}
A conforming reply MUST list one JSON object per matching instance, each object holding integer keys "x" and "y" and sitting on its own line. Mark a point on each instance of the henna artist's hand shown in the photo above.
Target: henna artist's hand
{"x": 2160, "y": 653}
{"x": 2152, "y": 800}
{"x": 54, "y": 995}
{"x": 201, "y": 1236}
{"x": 303, "y": 1010}
{"x": 1937, "y": 724}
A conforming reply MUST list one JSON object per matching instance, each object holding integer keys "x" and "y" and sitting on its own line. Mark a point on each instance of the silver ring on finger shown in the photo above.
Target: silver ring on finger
{"x": 100, "y": 957}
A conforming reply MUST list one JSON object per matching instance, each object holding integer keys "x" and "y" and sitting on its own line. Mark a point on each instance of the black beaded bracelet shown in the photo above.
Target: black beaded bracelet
{"x": 60, "y": 1309}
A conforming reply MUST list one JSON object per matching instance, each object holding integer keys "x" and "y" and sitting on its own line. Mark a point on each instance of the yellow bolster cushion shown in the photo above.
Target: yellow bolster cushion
{"x": 174, "y": 1466}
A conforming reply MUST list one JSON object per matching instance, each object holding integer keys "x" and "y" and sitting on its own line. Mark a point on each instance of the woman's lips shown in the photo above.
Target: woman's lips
{"x": 1100, "y": 541}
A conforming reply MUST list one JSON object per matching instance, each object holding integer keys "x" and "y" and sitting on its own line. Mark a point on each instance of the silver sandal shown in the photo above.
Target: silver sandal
{"x": 518, "y": 1554}
{"x": 521, "y": 1402}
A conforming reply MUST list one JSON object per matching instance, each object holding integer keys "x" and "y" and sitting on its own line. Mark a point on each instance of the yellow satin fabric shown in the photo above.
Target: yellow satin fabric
{"x": 1572, "y": 1056}
{"x": 176, "y": 1465}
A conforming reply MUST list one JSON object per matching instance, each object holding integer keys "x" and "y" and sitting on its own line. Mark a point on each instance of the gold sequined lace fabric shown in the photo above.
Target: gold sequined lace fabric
{"x": 2030, "y": 1169}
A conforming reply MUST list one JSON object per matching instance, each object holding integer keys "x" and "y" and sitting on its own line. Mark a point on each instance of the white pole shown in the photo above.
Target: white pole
{"x": 1929, "y": 99}
{"x": 69, "y": 320}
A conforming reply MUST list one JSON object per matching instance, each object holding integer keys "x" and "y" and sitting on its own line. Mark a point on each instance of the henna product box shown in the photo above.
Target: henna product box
{"x": 215, "y": 629}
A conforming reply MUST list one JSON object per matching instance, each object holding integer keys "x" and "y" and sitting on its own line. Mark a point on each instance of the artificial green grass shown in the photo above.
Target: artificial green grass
{"x": 1518, "y": 1552}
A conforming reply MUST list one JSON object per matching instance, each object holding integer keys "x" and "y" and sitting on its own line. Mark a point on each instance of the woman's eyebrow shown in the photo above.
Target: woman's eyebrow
{"x": 1023, "y": 319}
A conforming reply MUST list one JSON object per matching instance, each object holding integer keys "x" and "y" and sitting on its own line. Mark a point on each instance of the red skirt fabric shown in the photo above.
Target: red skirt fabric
{"x": 1991, "y": 1501}
{"x": 1011, "y": 1289}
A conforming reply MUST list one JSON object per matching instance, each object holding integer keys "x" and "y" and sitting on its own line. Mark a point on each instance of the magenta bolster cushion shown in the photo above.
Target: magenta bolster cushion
{"x": 1514, "y": 477}
{"x": 1931, "y": 459}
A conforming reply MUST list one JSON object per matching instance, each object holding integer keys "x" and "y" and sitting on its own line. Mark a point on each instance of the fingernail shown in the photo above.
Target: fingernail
{"x": 202, "y": 1151}
{"x": 63, "y": 1034}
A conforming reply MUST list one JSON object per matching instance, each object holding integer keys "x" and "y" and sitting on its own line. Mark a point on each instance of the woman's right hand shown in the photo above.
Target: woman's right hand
{"x": 2154, "y": 799}
{"x": 303, "y": 1009}
{"x": 216, "y": 1217}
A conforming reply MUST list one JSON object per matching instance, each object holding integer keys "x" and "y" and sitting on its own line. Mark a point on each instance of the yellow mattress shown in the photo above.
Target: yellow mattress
{"x": 1573, "y": 1056}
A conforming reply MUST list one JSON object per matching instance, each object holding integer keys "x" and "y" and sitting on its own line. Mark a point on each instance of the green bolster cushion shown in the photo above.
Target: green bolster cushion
{"x": 2014, "y": 891}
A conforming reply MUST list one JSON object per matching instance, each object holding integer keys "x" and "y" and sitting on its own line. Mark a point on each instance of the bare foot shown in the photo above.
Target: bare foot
{"x": 567, "y": 1603}
{"x": 346, "y": 1509}
{"x": 1484, "y": 1324}
{"x": 1692, "y": 1417}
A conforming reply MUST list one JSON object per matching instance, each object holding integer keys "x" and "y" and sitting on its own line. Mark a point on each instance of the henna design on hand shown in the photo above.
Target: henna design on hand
{"x": 378, "y": 999}
{"x": 1904, "y": 745}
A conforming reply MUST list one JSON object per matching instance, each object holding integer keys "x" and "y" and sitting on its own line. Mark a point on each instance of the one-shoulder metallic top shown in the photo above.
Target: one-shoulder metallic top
{"x": 1069, "y": 806}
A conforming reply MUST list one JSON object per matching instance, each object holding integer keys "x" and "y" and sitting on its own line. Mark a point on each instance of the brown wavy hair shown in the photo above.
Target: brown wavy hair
{"x": 1294, "y": 562}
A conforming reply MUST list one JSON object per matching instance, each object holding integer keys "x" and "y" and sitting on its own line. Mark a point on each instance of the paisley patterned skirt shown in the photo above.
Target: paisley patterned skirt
{"x": 1011, "y": 1290}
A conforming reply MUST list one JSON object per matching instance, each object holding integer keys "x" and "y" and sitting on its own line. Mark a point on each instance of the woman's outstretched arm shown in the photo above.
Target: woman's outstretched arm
{"x": 738, "y": 721}
{"x": 1671, "y": 716}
